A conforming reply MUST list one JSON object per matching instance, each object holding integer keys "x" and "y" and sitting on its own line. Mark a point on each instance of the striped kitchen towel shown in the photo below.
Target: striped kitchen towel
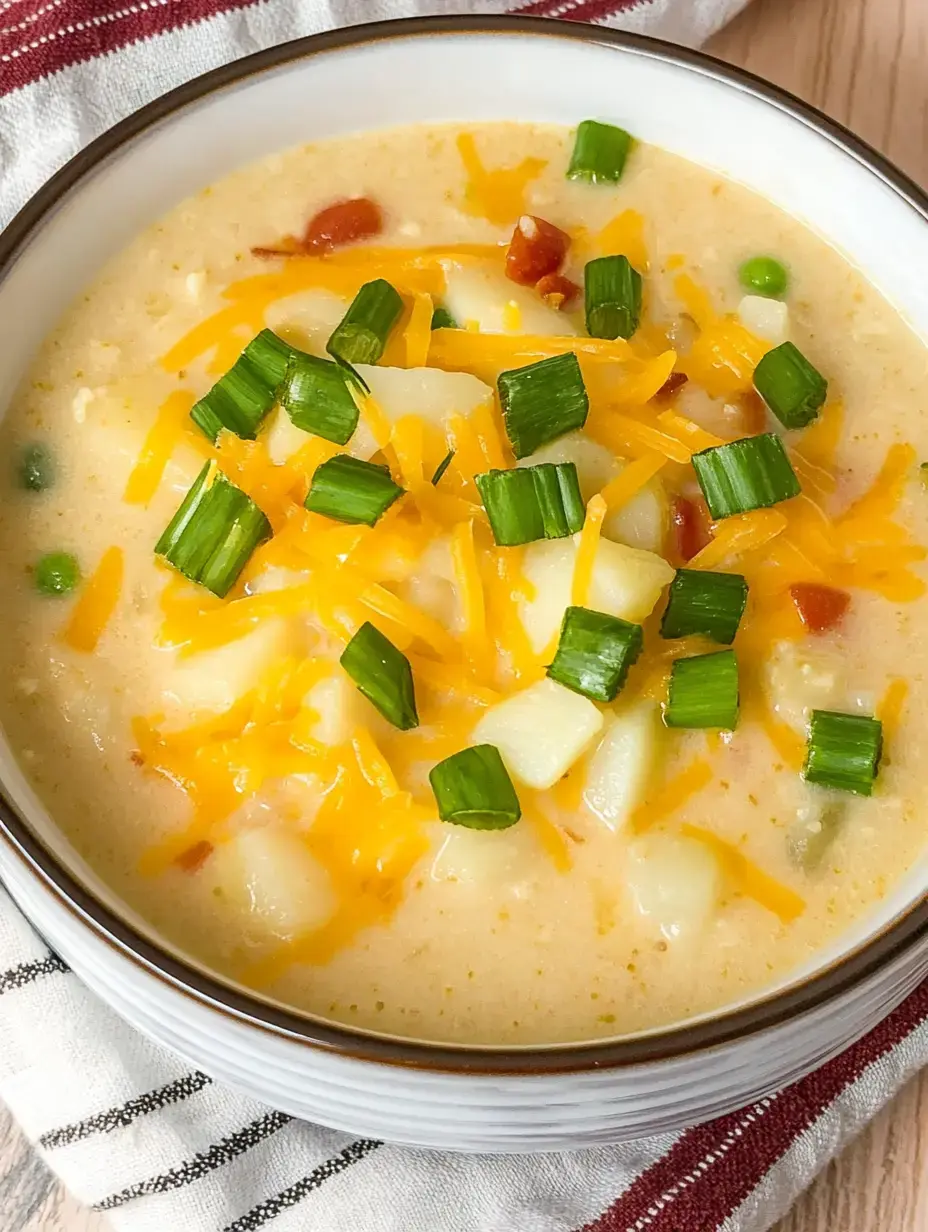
{"x": 132, "y": 1129}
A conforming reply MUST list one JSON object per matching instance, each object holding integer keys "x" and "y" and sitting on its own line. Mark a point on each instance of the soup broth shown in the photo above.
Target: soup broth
{"x": 222, "y": 770}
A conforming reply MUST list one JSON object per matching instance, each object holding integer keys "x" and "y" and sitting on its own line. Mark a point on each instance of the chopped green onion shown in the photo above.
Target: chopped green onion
{"x": 600, "y": 151}
{"x": 612, "y": 292}
{"x": 317, "y": 396}
{"x": 764, "y": 276}
{"x": 383, "y": 675}
{"x": 844, "y": 751}
{"x": 532, "y": 502}
{"x": 349, "y": 490}
{"x": 35, "y": 467}
{"x": 442, "y": 467}
{"x": 214, "y": 532}
{"x": 708, "y": 603}
{"x": 442, "y": 319}
{"x": 361, "y": 335}
{"x": 704, "y": 692}
{"x": 240, "y": 400}
{"x": 595, "y": 652}
{"x": 57, "y": 573}
{"x": 473, "y": 788}
{"x": 542, "y": 401}
{"x": 752, "y": 473}
{"x": 923, "y": 474}
{"x": 353, "y": 374}
{"x": 791, "y": 387}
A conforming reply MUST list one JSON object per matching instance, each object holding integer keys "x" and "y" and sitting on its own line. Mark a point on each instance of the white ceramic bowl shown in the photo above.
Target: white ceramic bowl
{"x": 464, "y": 70}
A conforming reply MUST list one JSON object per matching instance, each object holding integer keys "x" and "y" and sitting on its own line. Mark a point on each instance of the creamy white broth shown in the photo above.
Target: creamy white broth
{"x": 489, "y": 939}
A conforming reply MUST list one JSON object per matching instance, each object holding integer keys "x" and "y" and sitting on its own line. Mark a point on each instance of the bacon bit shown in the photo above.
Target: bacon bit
{"x": 193, "y": 859}
{"x": 343, "y": 222}
{"x": 289, "y": 246}
{"x": 672, "y": 385}
{"x": 690, "y": 521}
{"x": 753, "y": 413}
{"x": 537, "y": 248}
{"x": 136, "y": 758}
{"x": 556, "y": 290}
{"x": 820, "y": 608}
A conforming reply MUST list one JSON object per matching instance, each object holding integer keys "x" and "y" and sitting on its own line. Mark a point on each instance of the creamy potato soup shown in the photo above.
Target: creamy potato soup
{"x": 468, "y": 584}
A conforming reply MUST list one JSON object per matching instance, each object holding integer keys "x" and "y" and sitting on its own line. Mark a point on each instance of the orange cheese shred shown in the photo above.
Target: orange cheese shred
{"x": 746, "y": 532}
{"x": 671, "y": 797}
{"x": 96, "y": 603}
{"x": 585, "y": 561}
{"x": 161, "y": 441}
{"x": 889, "y": 711}
{"x": 497, "y": 195}
{"x": 620, "y": 490}
{"x": 624, "y": 236}
{"x": 686, "y": 430}
{"x": 747, "y": 878}
{"x": 418, "y": 335}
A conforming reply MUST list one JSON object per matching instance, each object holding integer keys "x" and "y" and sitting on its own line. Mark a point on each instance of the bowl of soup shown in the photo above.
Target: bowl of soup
{"x": 463, "y": 538}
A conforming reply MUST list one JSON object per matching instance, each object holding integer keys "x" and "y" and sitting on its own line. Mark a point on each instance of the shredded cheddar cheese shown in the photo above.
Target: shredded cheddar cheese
{"x": 624, "y": 236}
{"x": 497, "y": 195}
{"x": 620, "y": 490}
{"x": 96, "y": 603}
{"x": 586, "y": 552}
{"x": 162, "y": 439}
{"x": 672, "y": 796}
{"x": 889, "y": 711}
{"x": 747, "y": 878}
{"x": 745, "y": 532}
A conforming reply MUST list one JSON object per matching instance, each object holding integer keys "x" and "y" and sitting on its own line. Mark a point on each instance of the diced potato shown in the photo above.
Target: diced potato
{"x": 801, "y": 679}
{"x": 214, "y": 679}
{"x": 282, "y": 437}
{"x": 481, "y": 296}
{"x": 540, "y": 732}
{"x": 621, "y": 766}
{"x": 114, "y": 429}
{"x": 428, "y": 392}
{"x": 674, "y": 881}
{"x": 269, "y": 872}
{"x": 482, "y": 858}
{"x": 627, "y": 582}
{"x": 768, "y": 318}
{"x": 435, "y": 596}
{"x": 340, "y": 708}
{"x": 306, "y": 320}
{"x": 276, "y": 577}
{"x": 642, "y": 522}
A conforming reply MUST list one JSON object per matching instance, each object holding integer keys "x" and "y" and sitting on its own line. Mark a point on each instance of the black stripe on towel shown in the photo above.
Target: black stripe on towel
{"x": 25, "y": 973}
{"x": 259, "y": 1215}
{"x": 201, "y": 1164}
{"x": 125, "y": 1114}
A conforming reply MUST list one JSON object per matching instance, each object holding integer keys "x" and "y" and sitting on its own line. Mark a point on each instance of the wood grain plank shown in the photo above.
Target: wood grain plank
{"x": 865, "y": 62}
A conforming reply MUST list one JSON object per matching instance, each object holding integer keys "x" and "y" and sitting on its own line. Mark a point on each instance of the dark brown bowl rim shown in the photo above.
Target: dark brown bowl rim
{"x": 775, "y": 1009}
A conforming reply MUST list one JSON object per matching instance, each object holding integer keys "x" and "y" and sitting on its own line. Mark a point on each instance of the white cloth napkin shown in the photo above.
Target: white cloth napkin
{"x": 131, "y": 1128}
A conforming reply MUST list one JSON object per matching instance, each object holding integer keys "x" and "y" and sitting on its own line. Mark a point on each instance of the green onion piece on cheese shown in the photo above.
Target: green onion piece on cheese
{"x": 612, "y": 293}
{"x": 532, "y": 502}
{"x": 844, "y": 751}
{"x": 57, "y": 574}
{"x": 704, "y": 692}
{"x": 764, "y": 276}
{"x": 442, "y": 319}
{"x": 791, "y": 387}
{"x": 383, "y": 675}
{"x": 473, "y": 788}
{"x": 240, "y": 400}
{"x": 542, "y": 401}
{"x": 442, "y": 467}
{"x": 361, "y": 335}
{"x": 349, "y": 490}
{"x": 752, "y": 473}
{"x": 317, "y": 395}
{"x": 595, "y": 652}
{"x": 35, "y": 467}
{"x": 708, "y": 603}
{"x": 600, "y": 152}
{"x": 214, "y": 532}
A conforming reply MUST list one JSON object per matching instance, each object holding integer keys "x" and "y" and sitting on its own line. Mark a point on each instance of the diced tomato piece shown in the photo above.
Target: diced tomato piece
{"x": 556, "y": 290}
{"x": 820, "y": 607}
{"x": 193, "y": 859}
{"x": 537, "y": 248}
{"x": 344, "y": 222}
{"x": 690, "y": 521}
{"x": 753, "y": 415}
{"x": 672, "y": 385}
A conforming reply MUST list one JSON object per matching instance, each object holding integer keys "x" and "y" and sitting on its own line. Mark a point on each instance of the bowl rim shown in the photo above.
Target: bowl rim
{"x": 211, "y": 990}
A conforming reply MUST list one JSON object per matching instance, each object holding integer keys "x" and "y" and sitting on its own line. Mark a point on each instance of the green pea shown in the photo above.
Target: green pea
{"x": 35, "y": 467}
{"x": 764, "y": 276}
{"x": 57, "y": 574}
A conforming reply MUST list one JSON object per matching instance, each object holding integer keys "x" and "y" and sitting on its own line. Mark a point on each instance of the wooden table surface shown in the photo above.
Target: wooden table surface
{"x": 865, "y": 62}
